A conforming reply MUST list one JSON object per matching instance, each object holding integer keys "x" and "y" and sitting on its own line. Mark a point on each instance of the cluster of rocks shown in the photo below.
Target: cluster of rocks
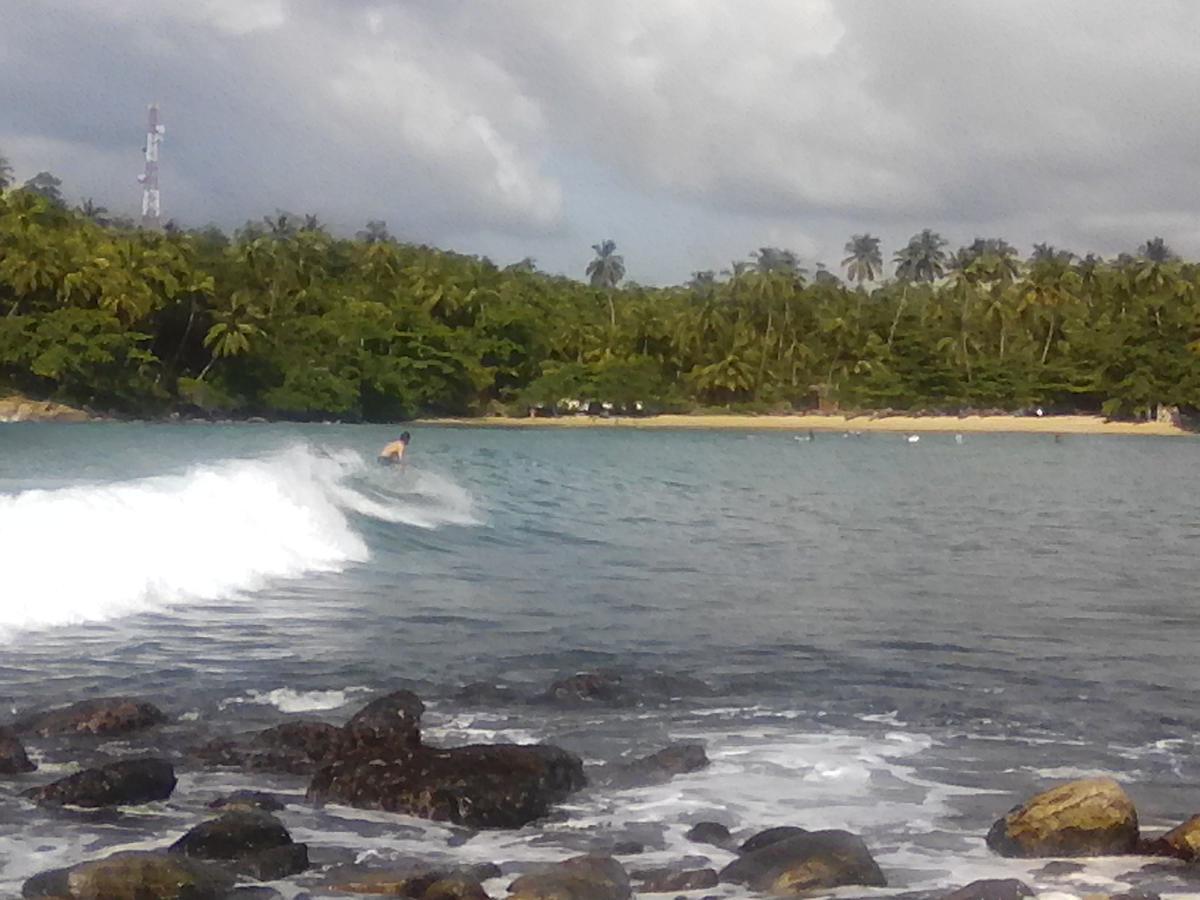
{"x": 378, "y": 760}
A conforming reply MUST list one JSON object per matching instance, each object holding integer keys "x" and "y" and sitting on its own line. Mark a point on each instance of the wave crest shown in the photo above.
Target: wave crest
{"x": 93, "y": 552}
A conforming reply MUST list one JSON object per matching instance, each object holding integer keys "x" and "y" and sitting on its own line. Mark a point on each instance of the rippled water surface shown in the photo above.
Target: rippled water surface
{"x": 901, "y": 638}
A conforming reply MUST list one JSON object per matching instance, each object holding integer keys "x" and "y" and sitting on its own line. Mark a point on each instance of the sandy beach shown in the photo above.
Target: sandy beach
{"x": 841, "y": 423}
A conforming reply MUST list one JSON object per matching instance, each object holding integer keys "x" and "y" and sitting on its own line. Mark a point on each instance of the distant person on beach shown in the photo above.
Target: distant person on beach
{"x": 394, "y": 452}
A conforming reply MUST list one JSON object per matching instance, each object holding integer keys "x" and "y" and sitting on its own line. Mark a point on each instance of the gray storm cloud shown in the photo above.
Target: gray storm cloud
{"x": 689, "y": 130}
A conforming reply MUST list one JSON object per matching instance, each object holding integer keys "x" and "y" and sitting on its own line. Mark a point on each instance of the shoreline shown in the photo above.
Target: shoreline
{"x": 899, "y": 424}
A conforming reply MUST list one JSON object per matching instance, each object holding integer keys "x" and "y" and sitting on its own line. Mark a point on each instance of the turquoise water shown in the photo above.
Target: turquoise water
{"x": 922, "y": 631}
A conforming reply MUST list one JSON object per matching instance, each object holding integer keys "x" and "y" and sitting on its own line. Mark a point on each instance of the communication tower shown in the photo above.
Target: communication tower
{"x": 151, "y": 205}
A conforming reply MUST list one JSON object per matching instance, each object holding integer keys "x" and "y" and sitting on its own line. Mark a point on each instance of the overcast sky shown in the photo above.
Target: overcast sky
{"x": 688, "y": 131}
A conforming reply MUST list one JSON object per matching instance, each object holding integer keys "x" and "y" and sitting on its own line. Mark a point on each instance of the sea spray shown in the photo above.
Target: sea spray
{"x": 93, "y": 552}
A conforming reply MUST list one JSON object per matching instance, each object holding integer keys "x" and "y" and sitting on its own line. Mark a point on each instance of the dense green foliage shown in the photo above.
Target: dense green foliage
{"x": 286, "y": 320}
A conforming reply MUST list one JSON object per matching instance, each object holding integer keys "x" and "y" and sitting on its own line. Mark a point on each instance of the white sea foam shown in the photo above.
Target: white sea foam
{"x": 93, "y": 552}
{"x": 292, "y": 701}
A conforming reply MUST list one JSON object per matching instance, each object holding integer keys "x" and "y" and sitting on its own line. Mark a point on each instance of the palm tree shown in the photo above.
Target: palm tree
{"x": 6, "y": 174}
{"x": 606, "y": 272}
{"x": 90, "y": 210}
{"x": 1048, "y": 253}
{"x": 773, "y": 260}
{"x": 608, "y": 268}
{"x": 864, "y": 260}
{"x": 47, "y": 185}
{"x": 1157, "y": 251}
{"x": 375, "y": 232}
{"x": 923, "y": 258}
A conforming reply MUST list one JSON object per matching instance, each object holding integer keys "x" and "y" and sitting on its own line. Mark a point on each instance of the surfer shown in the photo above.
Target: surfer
{"x": 394, "y": 452}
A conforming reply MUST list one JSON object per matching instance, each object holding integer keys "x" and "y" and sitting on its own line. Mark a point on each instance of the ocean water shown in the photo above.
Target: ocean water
{"x": 900, "y": 639}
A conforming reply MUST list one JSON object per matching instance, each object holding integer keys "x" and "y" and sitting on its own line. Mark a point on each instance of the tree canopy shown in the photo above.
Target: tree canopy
{"x": 284, "y": 319}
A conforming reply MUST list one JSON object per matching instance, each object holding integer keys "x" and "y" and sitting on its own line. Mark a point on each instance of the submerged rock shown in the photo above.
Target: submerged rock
{"x": 124, "y": 783}
{"x": 1181, "y": 842}
{"x": 713, "y": 833}
{"x": 484, "y": 786}
{"x": 1090, "y": 817}
{"x": 248, "y": 800}
{"x": 677, "y": 759}
{"x": 13, "y": 759}
{"x": 256, "y": 843}
{"x": 993, "y": 889}
{"x": 805, "y": 862}
{"x": 102, "y": 716}
{"x": 133, "y": 875}
{"x": 578, "y": 878}
{"x": 604, "y": 688}
{"x": 668, "y": 880}
{"x": 480, "y": 693}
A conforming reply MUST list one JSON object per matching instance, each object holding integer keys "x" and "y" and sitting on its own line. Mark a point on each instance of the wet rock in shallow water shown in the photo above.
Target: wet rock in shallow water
{"x": 628, "y": 848}
{"x": 804, "y": 862}
{"x": 483, "y": 786}
{"x": 602, "y": 688}
{"x": 677, "y": 759}
{"x": 295, "y": 748}
{"x": 578, "y": 878}
{"x": 1058, "y": 868}
{"x": 256, "y": 843}
{"x": 713, "y": 833}
{"x": 1090, "y": 817}
{"x": 668, "y": 880}
{"x": 393, "y": 721}
{"x": 992, "y": 889}
{"x": 414, "y": 880}
{"x": 247, "y": 801}
{"x": 134, "y": 875}
{"x": 104, "y": 716}
{"x": 770, "y": 836}
{"x": 124, "y": 783}
{"x": 1181, "y": 842}
{"x": 13, "y": 759}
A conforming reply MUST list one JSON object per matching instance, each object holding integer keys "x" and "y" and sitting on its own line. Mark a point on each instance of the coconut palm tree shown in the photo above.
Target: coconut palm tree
{"x": 608, "y": 268}
{"x": 864, "y": 260}
{"x": 91, "y": 210}
{"x": 375, "y": 232}
{"x": 6, "y": 173}
{"x": 1157, "y": 251}
{"x": 1048, "y": 253}
{"x": 923, "y": 258}
{"x": 773, "y": 260}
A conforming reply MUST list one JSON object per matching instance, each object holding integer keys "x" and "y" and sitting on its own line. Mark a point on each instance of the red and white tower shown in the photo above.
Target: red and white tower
{"x": 151, "y": 204}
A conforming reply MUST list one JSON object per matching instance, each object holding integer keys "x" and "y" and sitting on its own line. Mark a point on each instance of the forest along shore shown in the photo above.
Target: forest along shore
{"x": 841, "y": 424}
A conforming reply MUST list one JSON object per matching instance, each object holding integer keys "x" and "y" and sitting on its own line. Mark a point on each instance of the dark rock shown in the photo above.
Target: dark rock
{"x": 256, "y": 892}
{"x": 482, "y": 786}
{"x": 770, "y": 836}
{"x": 713, "y": 833}
{"x": 803, "y": 862}
{"x": 677, "y": 759}
{"x": 393, "y": 721}
{"x": 1090, "y": 817}
{"x": 459, "y": 886}
{"x": 233, "y": 835}
{"x": 256, "y": 843}
{"x": 1058, "y": 868}
{"x": 414, "y": 880}
{"x": 295, "y": 748}
{"x": 480, "y": 693}
{"x": 273, "y": 864}
{"x": 1181, "y": 842}
{"x": 628, "y": 848}
{"x": 672, "y": 687}
{"x": 133, "y": 875}
{"x": 992, "y": 889}
{"x": 123, "y": 783}
{"x": 578, "y": 878}
{"x": 248, "y": 800}
{"x": 13, "y": 760}
{"x": 103, "y": 716}
{"x": 603, "y": 688}
{"x": 667, "y": 880}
